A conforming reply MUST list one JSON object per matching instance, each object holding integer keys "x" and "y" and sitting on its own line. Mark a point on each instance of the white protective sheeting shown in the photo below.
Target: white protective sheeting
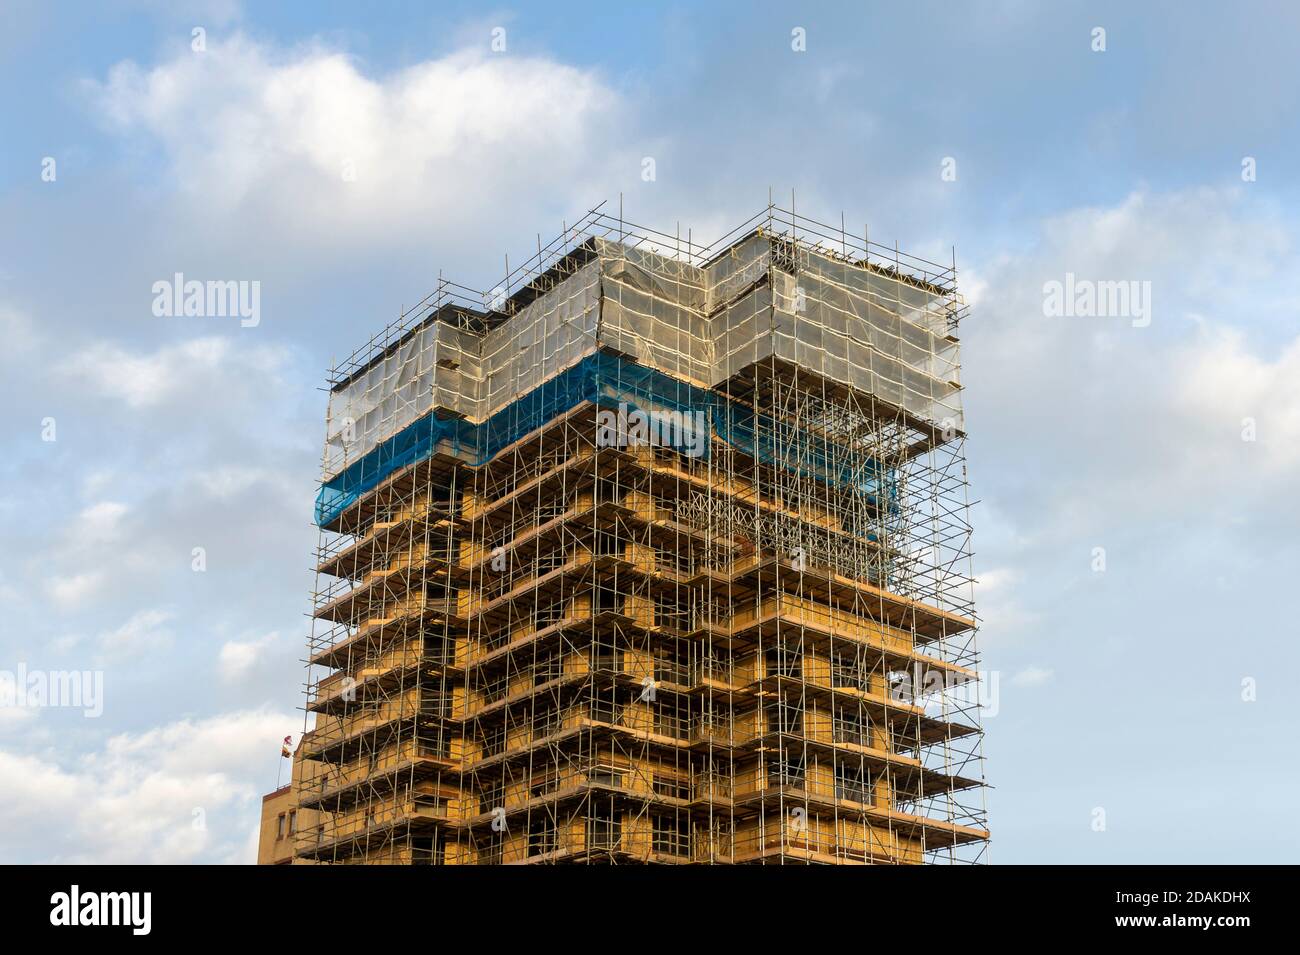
{"x": 761, "y": 298}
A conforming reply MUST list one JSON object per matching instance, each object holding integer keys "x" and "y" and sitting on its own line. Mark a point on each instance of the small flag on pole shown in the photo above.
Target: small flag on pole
{"x": 285, "y": 751}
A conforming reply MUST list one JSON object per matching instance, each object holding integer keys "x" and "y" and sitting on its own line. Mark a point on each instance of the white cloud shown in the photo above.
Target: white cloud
{"x": 196, "y": 368}
{"x": 12, "y": 717}
{"x": 1219, "y": 382}
{"x": 1032, "y": 676}
{"x": 18, "y": 333}
{"x": 96, "y": 481}
{"x": 1146, "y": 235}
{"x": 238, "y": 658}
{"x": 65, "y": 643}
{"x": 135, "y": 800}
{"x": 142, "y": 633}
{"x": 73, "y": 590}
{"x": 1001, "y": 612}
{"x": 223, "y": 483}
{"x": 101, "y": 522}
{"x": 1118, "y": 411}
{"x": 306, "y": 132}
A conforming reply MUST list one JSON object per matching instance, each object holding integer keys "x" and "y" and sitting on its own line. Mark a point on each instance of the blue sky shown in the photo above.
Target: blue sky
{"x": 1119, "y": 690}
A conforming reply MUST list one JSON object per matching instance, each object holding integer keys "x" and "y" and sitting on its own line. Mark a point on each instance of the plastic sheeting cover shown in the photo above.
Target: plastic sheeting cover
{"x": 876, "y": 333}
{"x": 611, "y": 382}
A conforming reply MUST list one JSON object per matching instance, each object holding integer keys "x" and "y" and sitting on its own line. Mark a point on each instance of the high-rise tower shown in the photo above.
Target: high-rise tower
{"x": 655, "y": 553}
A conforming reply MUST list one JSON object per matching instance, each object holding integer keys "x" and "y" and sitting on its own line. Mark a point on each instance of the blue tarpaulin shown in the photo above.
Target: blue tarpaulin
{"x": 613, "y": 382}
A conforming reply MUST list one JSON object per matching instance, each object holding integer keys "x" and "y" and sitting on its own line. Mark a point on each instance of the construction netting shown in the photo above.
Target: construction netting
{"x": 688, "y": 326}
{"x": 631, "y": 389}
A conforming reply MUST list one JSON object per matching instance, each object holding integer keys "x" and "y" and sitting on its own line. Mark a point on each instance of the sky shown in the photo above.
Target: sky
{"x": 1134, "y": 470}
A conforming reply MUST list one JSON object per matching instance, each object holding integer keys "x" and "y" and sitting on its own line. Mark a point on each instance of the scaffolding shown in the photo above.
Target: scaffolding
{"x": 655, "y": 553}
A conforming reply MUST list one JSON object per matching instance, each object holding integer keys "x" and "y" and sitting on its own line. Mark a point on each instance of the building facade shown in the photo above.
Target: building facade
{"x": 282, "y": 817}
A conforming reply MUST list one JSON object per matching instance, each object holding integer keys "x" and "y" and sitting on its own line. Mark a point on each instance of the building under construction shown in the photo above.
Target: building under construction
{"x": 655, "y": 553}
